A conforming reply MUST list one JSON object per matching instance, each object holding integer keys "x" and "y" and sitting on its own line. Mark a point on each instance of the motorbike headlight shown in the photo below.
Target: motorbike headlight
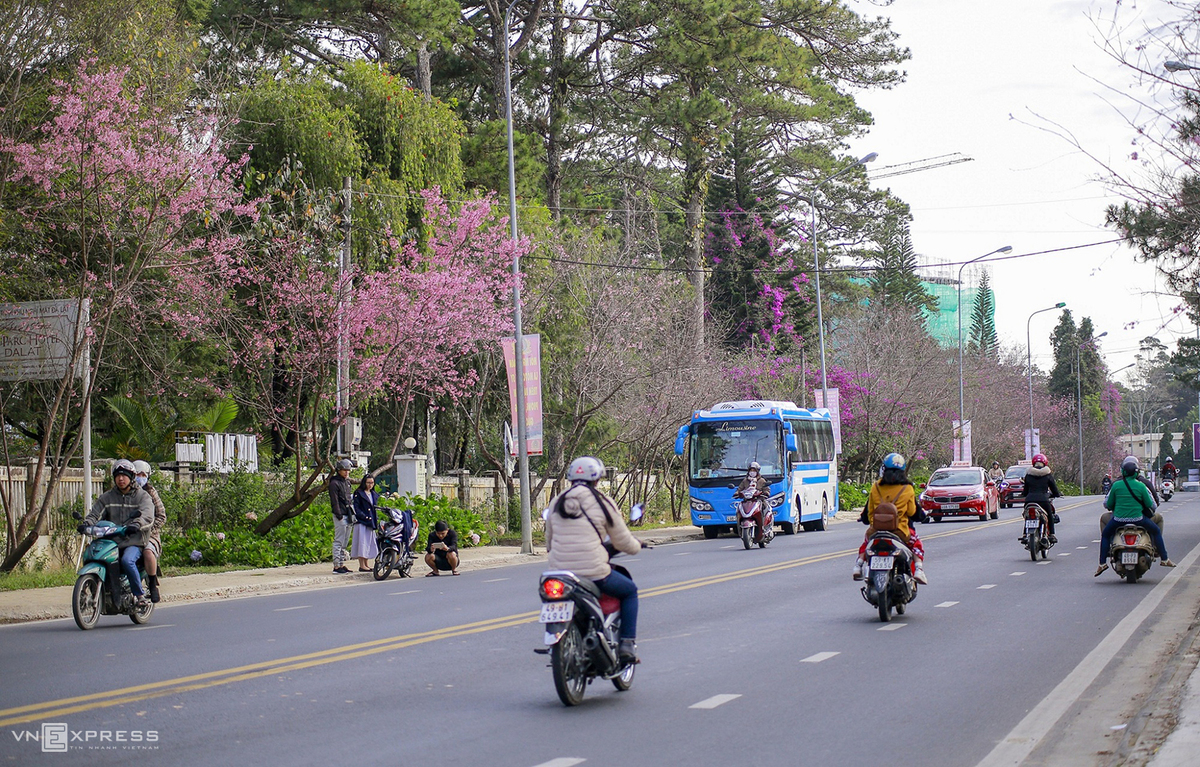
{"x": 776, "y": 501}
{"x": 699, "y": 505}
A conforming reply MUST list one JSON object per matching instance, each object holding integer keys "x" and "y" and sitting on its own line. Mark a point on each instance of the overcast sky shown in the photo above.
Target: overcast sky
{"x": 987, "y": 80}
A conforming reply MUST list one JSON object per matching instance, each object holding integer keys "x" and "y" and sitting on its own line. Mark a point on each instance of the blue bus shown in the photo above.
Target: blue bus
{"x": 794, "y": 446}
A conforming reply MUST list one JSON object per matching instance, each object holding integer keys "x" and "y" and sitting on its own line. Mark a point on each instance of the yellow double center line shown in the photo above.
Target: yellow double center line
{"x": 65, "y": 706}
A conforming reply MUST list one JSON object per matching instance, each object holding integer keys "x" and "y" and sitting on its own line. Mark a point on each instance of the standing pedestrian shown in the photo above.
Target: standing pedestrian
{"x": 153, "y": 550}
{"x": 341, "y": 502}
{"x": 366, "y": 520}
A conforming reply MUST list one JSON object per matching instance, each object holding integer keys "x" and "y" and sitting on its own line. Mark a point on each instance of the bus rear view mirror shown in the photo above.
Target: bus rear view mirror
{"x": 679, "y": 437}
{"x": 790, "y": 442}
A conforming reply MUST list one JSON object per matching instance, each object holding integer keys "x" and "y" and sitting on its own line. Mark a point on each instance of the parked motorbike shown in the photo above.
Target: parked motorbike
{"x": 889, "y": 584}
{"x": 582, "y": 630}
{"x": 1037, "y": 535}
{"x": 754, "y": 514}
{"x": 1167, "y": 489}
{"x": 395, "y": 550}
{"x": 101, "y": 588}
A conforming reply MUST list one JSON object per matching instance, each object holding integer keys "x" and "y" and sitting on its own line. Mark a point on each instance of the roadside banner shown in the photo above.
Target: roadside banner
{"x": 1033, "y": 443}
{"x": 835, "y": 413}
{"x": 532, "y": 399}
{"x": 962, "y": 442}
{"x": 1196, "y": 442}
{"x": 39, "y": 340}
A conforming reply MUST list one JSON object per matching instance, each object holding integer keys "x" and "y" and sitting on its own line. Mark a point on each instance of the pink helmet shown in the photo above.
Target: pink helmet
{"x": 1042, "y": 459}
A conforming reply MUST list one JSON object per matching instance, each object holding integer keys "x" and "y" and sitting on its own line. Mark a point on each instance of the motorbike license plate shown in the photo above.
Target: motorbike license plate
{"x": 949, "y": 506}
{"x": 882, "y": 563}
{"x": 1031, "y": 524}
{"x": 1129, "y": 557}
{"x": 557, "y": 612}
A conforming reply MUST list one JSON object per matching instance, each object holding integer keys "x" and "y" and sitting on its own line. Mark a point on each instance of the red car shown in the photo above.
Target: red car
{"x": 1012, "y": 487}
{"x": 960, "y": 491}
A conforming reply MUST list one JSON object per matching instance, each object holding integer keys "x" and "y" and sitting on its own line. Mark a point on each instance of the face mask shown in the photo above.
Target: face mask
{"x": 753, "y": 473}
{"x": 141, "y": 481}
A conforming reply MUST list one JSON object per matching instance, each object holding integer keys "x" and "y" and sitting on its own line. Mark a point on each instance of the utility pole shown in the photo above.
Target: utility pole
{"x": 343, "y": 357}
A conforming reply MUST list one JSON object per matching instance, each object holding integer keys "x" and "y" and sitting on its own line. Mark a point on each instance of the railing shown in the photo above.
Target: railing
{"x": 16, "y": 482}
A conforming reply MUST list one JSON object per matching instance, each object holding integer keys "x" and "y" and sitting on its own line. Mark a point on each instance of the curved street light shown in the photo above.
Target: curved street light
{"x": 958, "y": 311}
{"x": 1178, "y": 66}
{"x": 817, "y": 267}
{"x": 1029, "y": 360}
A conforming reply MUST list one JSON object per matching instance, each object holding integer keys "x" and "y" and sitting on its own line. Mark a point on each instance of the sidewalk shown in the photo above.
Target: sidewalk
{"x": 55, "y": 602}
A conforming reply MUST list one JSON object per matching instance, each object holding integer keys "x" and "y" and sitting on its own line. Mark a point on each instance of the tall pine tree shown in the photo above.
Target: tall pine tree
{"x": 982, "y": 340}
{"x": 894, "y": 281}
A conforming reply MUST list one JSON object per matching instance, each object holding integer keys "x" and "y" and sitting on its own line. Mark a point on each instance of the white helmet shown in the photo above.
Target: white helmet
{"x": 142, "y": 467}
{"x": 755, "y": 466}
{"x": 585, "y": 469}
{"x": 124, "y": 466}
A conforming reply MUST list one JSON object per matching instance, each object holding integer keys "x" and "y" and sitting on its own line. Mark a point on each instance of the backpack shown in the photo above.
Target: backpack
{"x": 884, "y": 518}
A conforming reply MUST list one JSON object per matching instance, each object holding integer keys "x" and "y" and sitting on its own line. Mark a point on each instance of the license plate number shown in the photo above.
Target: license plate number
{"x": 1129, "y": 557}
{"x": 949, "y": 506}
{"x": 557, "y": 612}
{"x": 882, "y": 563}
{"x": 1031, "y": 524}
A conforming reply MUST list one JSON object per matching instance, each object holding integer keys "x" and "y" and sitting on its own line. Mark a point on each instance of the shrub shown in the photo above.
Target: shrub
{"x": 429, "y": 510}
{"x": 852, "y": 496}
{"x": 307, "y": 538}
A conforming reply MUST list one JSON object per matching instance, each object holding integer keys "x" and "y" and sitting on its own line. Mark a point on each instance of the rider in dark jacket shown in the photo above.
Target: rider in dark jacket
{"x": 1040, "y": 488}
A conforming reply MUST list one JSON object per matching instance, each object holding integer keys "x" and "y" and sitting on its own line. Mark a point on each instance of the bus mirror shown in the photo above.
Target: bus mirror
{"x": 679, "y": 437}
{"x": 790, "y": 442}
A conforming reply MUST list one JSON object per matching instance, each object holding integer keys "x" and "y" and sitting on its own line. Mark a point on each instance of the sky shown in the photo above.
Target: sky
{"x": 991, "y": 81}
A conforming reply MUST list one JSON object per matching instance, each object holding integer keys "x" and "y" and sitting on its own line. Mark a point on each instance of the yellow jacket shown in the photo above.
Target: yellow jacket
{"x": 905, "y": 502}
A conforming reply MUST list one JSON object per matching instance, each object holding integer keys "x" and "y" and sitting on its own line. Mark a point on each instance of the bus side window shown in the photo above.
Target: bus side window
{"x": 827, "y": 444}
{"x": 810, "y": 442}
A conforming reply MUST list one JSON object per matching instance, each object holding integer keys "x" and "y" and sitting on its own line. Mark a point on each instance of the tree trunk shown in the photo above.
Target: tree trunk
{"x": 424, "y": 70}
{"x": 293, "y": 506}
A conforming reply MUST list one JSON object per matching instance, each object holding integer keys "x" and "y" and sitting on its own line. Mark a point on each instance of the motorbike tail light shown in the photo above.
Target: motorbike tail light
{"x": 1030, "y": 513}
{"x": 554, "y": 588}
{"x": 1130, "y": 539}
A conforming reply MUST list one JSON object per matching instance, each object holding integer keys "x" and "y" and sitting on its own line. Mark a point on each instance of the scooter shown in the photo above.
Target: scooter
{"x": 582, "y": 630}
{"x": 101, "y": 588}
{"x": 754, "y": 515}
{"x": 1037, "y": 536}
{"x": 1132, "y": 551}
{"x": 890, "y": 583}
{"x": 1167, "y": 490}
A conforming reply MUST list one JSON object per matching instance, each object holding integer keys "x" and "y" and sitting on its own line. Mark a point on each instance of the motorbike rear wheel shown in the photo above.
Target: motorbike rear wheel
{"x": 384, "y": 564}
{"x": 87, "y": 601}
{"x": 1034, "y": 545}
{"x": 1131, "y": 575}
{"x": 570, "y": 667}
{"x": 885, "y": 609}
{"x": 746, "y": 537}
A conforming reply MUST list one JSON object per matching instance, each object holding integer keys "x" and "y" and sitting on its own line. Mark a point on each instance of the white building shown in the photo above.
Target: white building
{"x": 1145, "y": 446}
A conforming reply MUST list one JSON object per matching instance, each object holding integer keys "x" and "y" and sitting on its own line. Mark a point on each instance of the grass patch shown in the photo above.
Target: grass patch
{"x": 36, "y": 580}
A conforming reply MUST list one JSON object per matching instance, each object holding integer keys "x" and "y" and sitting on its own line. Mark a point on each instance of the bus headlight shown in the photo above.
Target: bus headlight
{"x": 776, "y": 501}
{"x": 699, "y": 505}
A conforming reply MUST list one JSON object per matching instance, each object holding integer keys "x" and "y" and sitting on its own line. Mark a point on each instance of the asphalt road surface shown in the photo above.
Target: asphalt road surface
{"x": 764, "y": 657}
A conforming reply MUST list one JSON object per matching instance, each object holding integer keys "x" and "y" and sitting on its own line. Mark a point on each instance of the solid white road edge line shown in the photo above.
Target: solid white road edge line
{"x": 562, "y": 761}
{"x": 819, "y": 657}
{"x": 155, "y": 626}
{"x": 716, "y": 700}
{"x": 1028, "y": 733}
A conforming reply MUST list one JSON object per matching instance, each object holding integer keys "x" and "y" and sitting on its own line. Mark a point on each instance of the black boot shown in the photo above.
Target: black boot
{"x": 152, "y": 582}
{"x": 627, "y": 652}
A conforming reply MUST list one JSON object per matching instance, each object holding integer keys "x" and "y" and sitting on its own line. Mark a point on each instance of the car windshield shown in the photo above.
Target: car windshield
{"x": 955, "y": 477}
{"x": 1015, "y": 472}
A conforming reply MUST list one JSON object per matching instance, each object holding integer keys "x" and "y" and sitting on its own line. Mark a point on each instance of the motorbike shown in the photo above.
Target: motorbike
{"x": 1132, "y": 551}
{"x": 1105, "y": 485}
{"x": 1167, "y": 489}
{"x": 754, "y": 513}
{"x": 890, "y": 584}
{"x": 101, "y": 588}
{"x": 1037, "y": 535}
{"x": 395, "y": 550}
{"x": 582, "y": 629}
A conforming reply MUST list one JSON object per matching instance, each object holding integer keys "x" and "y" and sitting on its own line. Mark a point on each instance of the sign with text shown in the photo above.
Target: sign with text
{"x": 962, "y": 442}
{"x": 1033, "y": 443}
{"x": 39, "y": 340}
{"x": 532, "y": 396}
{"x": 835, "y": 412}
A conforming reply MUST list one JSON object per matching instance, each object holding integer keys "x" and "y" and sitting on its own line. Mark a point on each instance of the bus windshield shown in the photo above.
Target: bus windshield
{"x": 724, "y": 449}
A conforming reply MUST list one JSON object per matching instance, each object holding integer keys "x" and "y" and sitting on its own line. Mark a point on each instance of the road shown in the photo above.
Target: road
{"x": 764, "y": 657}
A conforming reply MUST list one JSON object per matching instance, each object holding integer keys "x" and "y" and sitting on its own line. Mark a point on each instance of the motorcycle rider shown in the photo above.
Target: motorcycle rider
{"x": 578, "y": 522}
{"x": 130, "y": 506}
{"x": 1106, "y": 484}
{"x": 1168, "y": 469}
{"x": 153, "y": 549}
{"x": 895, "y": 487}
{"x": 1040, "y": 488}
{"x": 753, "y": 486}
{"x": 995, "y": 473}
{"x": 1131, "y": 503}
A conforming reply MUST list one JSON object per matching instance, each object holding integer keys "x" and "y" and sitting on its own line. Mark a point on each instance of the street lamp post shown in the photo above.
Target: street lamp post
{"x": 1178, "y": 66}
{"x": 518, "y": 340}
{"x": 1029, "y": 359}
{"x": 817, "y": 268}
{"x": 958, "y": 311}
{"x": 1079, "y": 400}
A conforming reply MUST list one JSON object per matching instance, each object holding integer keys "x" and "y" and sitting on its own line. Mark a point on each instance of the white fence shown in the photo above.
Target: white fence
{"x": 18, "y": 484}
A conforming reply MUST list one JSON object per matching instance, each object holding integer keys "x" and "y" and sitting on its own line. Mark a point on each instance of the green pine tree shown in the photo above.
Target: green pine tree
{"x": 895, "y": 282}
{"x": 982, "y": 340}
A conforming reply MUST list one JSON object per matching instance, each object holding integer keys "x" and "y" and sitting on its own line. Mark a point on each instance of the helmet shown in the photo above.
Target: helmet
{"x": 142, "y": 467}
{"x": 755, "y": 466}
{"x": 1130, "y": 465}
{"x": 123, "y": 467}
{"x": 996, "y": 464}
{"x": 585, "y": 469}
{"x": 344, "y": 464}
{"x": 1168, "y": 460}
{"x": 1042, "y": 459}
{"x": 894, "y": 461}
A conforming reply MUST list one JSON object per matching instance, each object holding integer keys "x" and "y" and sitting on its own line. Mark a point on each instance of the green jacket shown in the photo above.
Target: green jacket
{"x": 1126, "y": 505}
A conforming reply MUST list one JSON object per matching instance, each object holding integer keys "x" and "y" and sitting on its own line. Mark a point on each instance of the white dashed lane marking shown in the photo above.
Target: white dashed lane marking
{"x": 986, "y": 586}
{"x": 1018, "y": 572}
{"x": 398, "y": 593}
{"x": 716, "y": 700}
{"x": 496, "y": 580}
{"x": 285, "y": 609}
{"x": 1084, "y": 548}
{"x": 562, "y": 761}
{"x": 819, "y": 657}
{"x": 891, "y": 627}
{"x": 946, "y": 604}
{"x": 1064, "y": 553}
{"x": 156, "y": 626}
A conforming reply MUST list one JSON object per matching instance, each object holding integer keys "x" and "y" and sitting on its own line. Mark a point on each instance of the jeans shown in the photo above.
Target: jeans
{"x": 341, "y": 539}
{"x": 618, "y": 585}
{"x": 129, "y": 559}
{"x": 1147, "y": 524}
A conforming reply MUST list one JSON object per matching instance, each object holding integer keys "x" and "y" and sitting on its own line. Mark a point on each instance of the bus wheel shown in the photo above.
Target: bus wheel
{"x": 821, "y": 523}
{"x": 710, "y": 532}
